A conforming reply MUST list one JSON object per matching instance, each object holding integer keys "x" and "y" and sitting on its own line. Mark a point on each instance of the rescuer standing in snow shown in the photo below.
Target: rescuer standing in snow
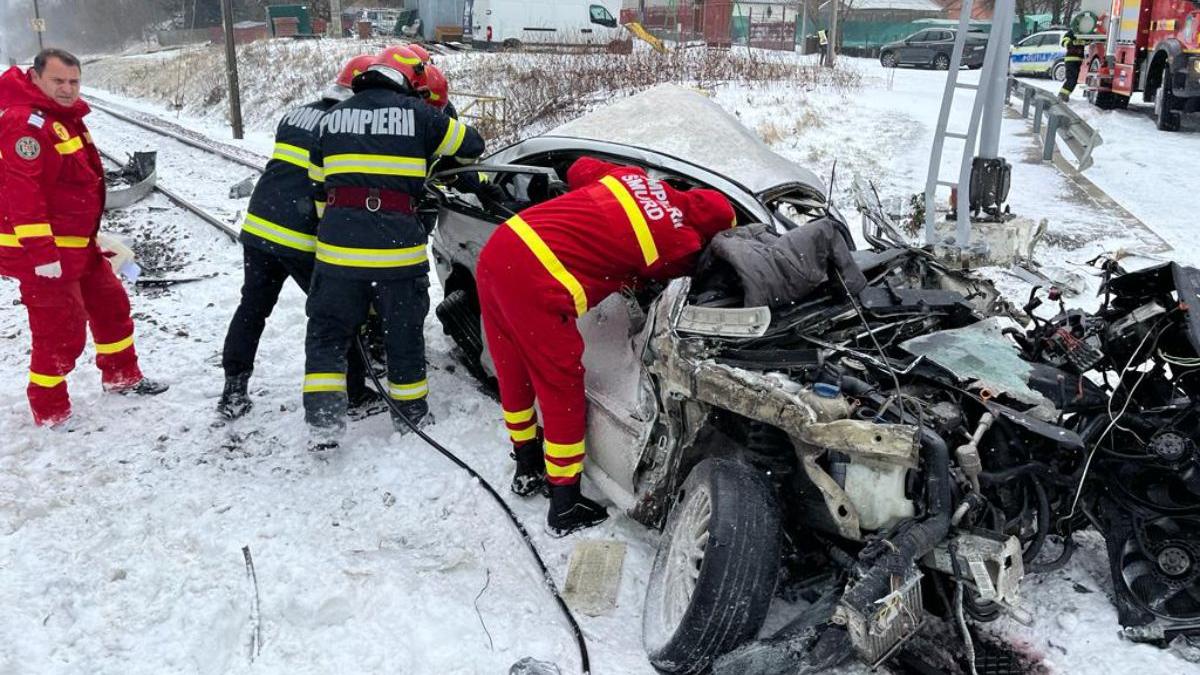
{"x": 279, "y": 239}
{"x": 53, "y": 186}
{"x": 544, "y": 268}
{"x": 1074, "y": 61}
{"x": 369, "y": 166}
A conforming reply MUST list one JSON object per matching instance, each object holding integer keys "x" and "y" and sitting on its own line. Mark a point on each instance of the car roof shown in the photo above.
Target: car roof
{"x": 685, "y": 124}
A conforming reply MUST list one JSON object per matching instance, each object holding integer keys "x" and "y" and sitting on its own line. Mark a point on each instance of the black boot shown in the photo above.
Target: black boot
{"x": 365, "y": 402}
{"x": 530, "y": 475}
{"x": 235, "y": 402}
{"x": 571, "y": 511}
{"x": 417, "y": 412}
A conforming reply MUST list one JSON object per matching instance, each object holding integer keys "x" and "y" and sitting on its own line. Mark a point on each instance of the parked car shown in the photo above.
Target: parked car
{"x": 865, "y": 453}
{"x": 932, "y": 47}
{"x": 515, "y": 23}
{"x": 1040, "y": 54}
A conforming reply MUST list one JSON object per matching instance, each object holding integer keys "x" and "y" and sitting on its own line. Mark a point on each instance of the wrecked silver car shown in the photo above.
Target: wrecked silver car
{"x": 898, "y": 455}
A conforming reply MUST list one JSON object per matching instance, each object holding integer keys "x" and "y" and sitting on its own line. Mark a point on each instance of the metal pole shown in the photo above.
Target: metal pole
{"x": 37, "y": 16}
{"x": 235, "y": 92}
{"x": 833, "y": 30}
{"x": 804, "y": 30}
{"x": 997, "y": 77}
{"x": 335, "y": 18}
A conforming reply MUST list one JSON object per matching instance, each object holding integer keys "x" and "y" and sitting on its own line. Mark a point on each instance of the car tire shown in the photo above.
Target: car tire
{"x": 715, "y": 571}
{"x": 941, "y": 62}
{"x": 1058, "y": 72}
{"x": 889, "y": 60}
{"x": 1166, "y": 118}
{"x": 458, "y": 313}
{"x": 512, "y": 44}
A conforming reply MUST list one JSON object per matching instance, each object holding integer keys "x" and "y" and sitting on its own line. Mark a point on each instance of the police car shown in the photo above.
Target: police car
{"x": 1040, "y": 54}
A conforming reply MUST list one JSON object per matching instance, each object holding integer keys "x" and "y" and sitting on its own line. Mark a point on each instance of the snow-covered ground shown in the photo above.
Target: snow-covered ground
{"x": 121, "y": 542}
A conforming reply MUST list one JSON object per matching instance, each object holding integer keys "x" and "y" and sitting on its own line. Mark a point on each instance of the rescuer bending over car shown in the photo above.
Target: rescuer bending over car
{"x": 615, "y": 228}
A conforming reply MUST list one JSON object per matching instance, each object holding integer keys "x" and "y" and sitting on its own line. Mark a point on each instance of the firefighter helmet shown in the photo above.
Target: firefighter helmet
{"x": 435, "y": 88}
{"x": 421, "y": 53}
{"x": 354, "y": 67}
{"x": 400, "y": 65}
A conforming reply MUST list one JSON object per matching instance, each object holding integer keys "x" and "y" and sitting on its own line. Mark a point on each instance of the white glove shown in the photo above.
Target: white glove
{"x": 49, "y": 271}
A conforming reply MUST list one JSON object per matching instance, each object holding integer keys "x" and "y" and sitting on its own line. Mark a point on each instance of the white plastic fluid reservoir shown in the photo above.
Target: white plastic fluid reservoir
{"x": 119, "y": 255}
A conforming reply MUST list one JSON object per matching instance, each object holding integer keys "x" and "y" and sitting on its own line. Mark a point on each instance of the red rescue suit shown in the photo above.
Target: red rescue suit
{"x": 53, "y": 186}
{"x": 545, "y": 267}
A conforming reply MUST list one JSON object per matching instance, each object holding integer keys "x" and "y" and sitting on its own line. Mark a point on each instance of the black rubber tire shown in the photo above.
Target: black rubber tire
{"x": 889, "y": 60}
{"x": 459, "y": 315}
{"x": 1166, "y": 117}
{"x": 941, "y": 62}
{"x": 1058, "y": 72}
{"x": 737, "y": 576}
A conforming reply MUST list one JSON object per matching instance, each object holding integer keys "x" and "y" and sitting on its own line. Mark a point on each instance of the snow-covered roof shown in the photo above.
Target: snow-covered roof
{"x": 897, "y": 5}
{"x": 686, "y": 124}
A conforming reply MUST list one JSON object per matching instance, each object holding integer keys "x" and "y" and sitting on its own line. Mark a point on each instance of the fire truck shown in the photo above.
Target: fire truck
{"x": 1151, "y": 46}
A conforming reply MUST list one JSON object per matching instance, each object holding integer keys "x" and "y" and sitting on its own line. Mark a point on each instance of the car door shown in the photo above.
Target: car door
{"x": 915, "y": 48}
{"x": 942, "y": 42}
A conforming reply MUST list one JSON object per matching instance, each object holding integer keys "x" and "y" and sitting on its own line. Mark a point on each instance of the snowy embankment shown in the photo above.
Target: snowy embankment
{"x": 120, "y": 543}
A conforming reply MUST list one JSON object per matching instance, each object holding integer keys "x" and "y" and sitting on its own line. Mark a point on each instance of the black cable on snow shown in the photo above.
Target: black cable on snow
{"x": 585, "y": 665}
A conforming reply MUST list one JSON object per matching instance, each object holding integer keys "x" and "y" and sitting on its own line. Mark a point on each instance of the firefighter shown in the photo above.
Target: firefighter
{"x": 369, "y": 165}
{"x": 1074, "y": 61}
{"x": 278, "y": 241}
{"x": 53, "y": 186}
{"x": 613, "y": 229}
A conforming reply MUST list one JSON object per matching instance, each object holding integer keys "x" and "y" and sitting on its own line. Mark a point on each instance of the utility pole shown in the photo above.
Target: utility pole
{"x": 831, "y": 56}
{"x": 335, "y": 18}
{"x": 235, "y": 92}
{"x": 39, "y": 25}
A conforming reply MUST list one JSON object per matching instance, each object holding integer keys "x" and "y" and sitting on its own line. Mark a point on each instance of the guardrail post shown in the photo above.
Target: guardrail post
{"x": 1052, "y": 121}
{"x": 1027, "y": 102}
{"x": 1039, "y": 106}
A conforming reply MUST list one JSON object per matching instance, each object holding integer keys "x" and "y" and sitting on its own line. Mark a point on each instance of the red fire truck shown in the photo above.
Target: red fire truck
{"x": 1151, "y": 46}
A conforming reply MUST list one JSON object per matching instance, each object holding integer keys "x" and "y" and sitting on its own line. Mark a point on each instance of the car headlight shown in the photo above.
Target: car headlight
{"x": 1196, "y": 66}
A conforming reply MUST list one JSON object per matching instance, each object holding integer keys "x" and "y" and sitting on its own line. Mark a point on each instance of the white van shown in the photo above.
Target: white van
{"x": 512, "y": 23}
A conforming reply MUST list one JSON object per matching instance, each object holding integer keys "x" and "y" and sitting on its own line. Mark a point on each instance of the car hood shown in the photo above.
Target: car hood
{"x": 686, "y": 124}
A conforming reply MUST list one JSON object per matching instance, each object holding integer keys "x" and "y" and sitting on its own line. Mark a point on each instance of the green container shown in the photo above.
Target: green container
{"x": 294, "y": 11}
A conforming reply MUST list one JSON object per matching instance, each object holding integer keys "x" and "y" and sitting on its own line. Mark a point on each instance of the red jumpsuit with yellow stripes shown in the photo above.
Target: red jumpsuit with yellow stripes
{"x": 548, "y": 265}
{"x": 53, "y": 186}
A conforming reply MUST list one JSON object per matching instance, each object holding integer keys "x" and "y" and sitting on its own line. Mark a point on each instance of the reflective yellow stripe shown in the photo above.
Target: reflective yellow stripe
{"x": 518, "y": 417}
{"x": 320, "y": 209}
{"x": 555, "y": 471}
{"x": 323, "y": 382}
{"x": 35, "y": 230}
{"x": 521, "y": 435}
{"x": 379, "y": 165}
{"x": 316, "y": 173}
{"x": 46, "y": 380}
{"x": 550, "y": 262}
{"x": 407, "y": 61}
{"x": 11, "y": 241}
{"x": 564, "y": 450}
{"x": 370, "y": 257}
{"x": 636, "y": 219}
{"x": 114, "y": 347}
{"x": 408, "y": 392}
{"x": 291, "y": 154}
{"x": 69, "y": 146}
{"x": 453, "y": 140}
{"x": 261, "y": 227}
{"x": 1072, "y": 59}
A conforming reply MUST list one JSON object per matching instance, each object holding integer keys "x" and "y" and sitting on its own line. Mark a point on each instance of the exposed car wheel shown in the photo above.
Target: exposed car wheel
{"x": 715, "y": 572}
{"x": 1059, "y": 72}
{"x": 512, "y": 44}
{"x": 888, "y": 60}
{"x": 459, "y": 314}
{"x": 941, "y": 62}
{"x": 1166, "y": 118}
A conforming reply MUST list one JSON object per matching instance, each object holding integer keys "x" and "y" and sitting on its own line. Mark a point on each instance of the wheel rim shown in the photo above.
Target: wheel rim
{"x": 1060, "y": 73}
{"x": 889, "y": 60}
{"x": 688, "y": 543}
{"x": 941, "y": 63}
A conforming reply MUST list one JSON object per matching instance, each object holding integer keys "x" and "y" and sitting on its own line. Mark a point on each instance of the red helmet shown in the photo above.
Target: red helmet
{"x": 435, "y": 88}
{"x": 354, "y": 67}
{"x": 421, "y": 53}
{"x": 403, "y": 62}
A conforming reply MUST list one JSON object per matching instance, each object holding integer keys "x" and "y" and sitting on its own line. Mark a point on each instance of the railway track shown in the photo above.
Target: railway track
{"x": 161, "y": 127}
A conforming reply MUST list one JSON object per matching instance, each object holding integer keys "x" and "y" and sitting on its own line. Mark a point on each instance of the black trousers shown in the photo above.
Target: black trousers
{"x": 264, "y": 275}
{"x": 1072, "y": 78}
{"x": 336, "y": 308}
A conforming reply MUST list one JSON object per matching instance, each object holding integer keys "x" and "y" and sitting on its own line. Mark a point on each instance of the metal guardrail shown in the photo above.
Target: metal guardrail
{"x": 1061, "y": 121}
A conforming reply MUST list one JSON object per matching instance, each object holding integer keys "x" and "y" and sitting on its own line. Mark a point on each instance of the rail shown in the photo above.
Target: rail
{"x": 1061, "y": 122}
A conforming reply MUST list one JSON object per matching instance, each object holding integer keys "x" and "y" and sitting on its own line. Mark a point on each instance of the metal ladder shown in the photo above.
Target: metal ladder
{"x": 983, "y": 91}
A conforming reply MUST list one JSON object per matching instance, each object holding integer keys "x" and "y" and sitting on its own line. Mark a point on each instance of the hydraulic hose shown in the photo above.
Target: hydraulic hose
{"x": 585, "y": 665}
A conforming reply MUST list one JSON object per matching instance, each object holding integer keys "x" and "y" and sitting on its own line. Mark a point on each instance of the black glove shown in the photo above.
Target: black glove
{"x": 490, "y": 192}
